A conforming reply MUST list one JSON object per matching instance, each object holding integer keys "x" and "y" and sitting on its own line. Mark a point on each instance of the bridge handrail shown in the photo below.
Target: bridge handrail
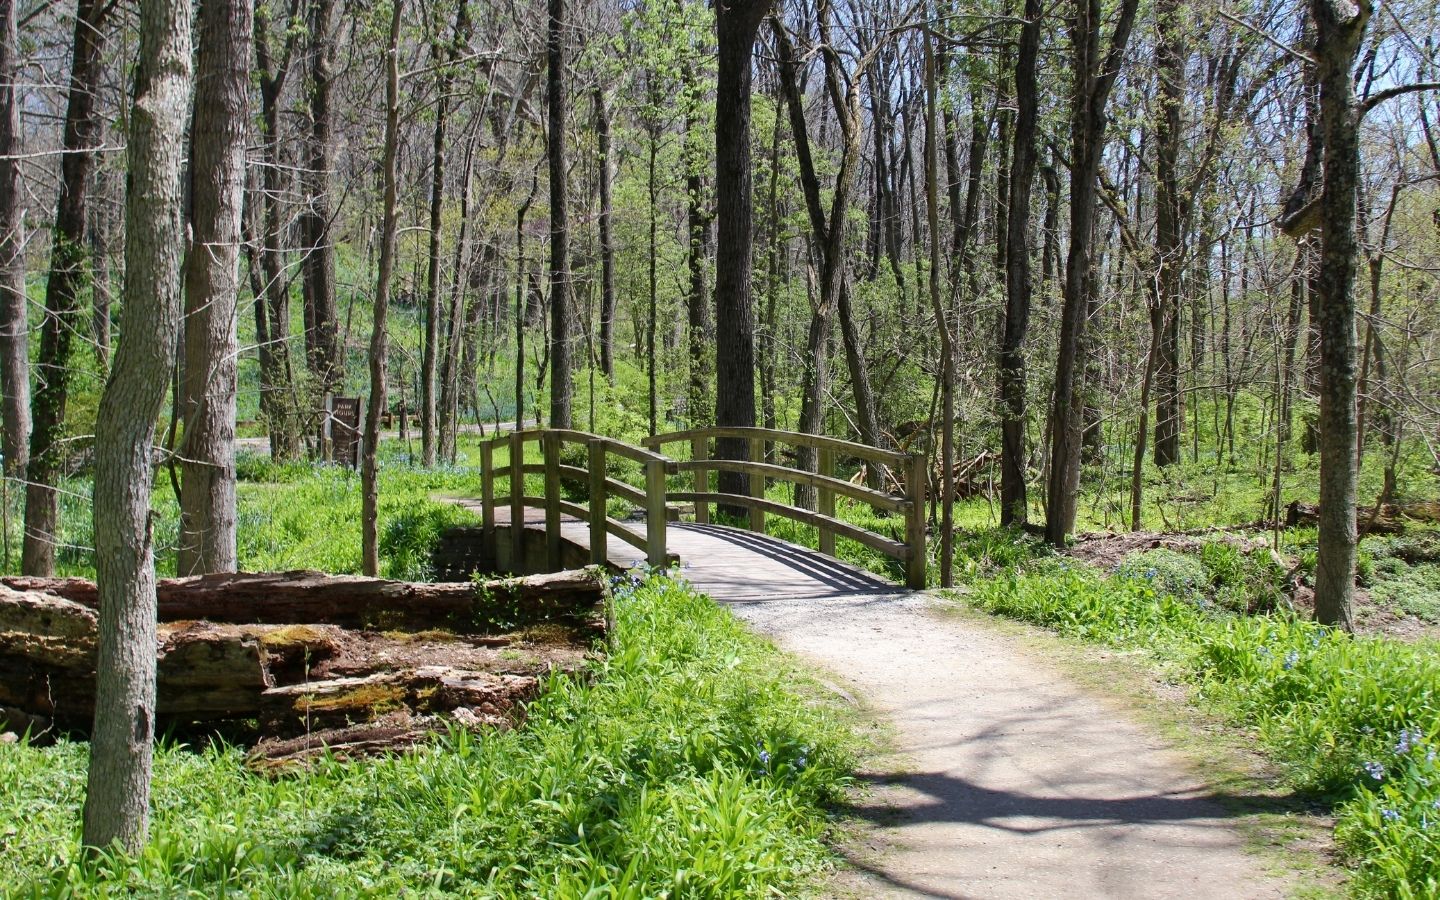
{"x": 600, "y": 485}
{"x": 911, "y": 505}
{"x": 818, "y": 441}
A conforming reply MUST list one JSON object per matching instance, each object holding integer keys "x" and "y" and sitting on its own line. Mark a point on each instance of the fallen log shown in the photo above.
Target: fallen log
{"x": 353, "y": 601}
{"x": 1391, "y": 518}
{"x": 488, "y": 699}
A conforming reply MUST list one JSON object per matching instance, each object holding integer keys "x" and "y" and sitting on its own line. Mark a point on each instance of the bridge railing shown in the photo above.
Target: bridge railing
{"x": 597, "y": 483}
{"x": 910, "y": 504}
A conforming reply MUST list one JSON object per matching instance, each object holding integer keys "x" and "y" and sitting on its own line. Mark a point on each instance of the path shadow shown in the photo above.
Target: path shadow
{"x": 835, "y": 576}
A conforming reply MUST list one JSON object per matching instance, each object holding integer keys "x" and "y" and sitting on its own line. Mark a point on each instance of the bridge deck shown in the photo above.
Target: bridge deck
{"x": 733, "y": 565}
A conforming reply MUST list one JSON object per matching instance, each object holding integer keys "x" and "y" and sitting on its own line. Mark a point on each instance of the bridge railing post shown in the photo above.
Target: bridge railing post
{"x": 826, "y": 501}
{"x": 700, "y": 452}
{"x": 550, "y": 443}
{"x": 599, "y": 536}
{"x": 655, "y": 549}
{"x": 916, "y": 475}
{"x": 487, "y": 492}
{"x": 517, "y": 501}
{"x": 757, "y": 486}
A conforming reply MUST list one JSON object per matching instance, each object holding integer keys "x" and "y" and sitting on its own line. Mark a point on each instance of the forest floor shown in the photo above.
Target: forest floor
{"x": 1005, "y": 777}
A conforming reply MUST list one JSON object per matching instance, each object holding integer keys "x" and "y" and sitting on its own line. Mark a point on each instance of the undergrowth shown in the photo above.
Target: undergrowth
{"x": 684, "y": 765}
{"x": 1354, "y": 721}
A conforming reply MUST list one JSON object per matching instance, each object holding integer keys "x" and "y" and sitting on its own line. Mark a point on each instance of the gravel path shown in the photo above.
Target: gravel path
{"x": 1007, "y": 780}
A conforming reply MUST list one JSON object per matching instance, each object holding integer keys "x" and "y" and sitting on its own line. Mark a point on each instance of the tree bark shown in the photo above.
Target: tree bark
{"x": 212, "y": 287}
{"x": 1018, "y": 285}
{"x": 1170, "y": 64}
{"x": 947, "y": 353}
{"x": 64, "y": 292}
{"x": 607, "y": 241}
{"x": 14, "y": 310}
{"x": 117, "y": 791}
{"x": 1340, "y": 26}
{"x": 736, "y": 23}
{"x": 561, "y": 387}
{"x": 379, "y": 335}
{"x": 272, "y": 302}
{"x": 322, "y": 346}
{"x": 700, "y": 330}
{"x": 1094, "y": 77}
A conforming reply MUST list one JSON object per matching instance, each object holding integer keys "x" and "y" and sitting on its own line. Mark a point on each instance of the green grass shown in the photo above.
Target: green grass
{"x": 1353, "y": 721}
{"x": 687, "y": 764}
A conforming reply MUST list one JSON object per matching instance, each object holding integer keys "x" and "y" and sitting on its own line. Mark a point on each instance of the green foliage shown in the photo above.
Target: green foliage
{"x": 1171, "y": 572}
{"x": 685, "y": 765}
{"x": 1243, "y": 580}
{"x": 1355, "y": 720}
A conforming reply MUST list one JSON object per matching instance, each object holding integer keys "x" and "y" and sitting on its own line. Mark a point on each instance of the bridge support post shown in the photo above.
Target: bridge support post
{"x": 655, "y": 549}
{"x": 550, "y": 443}
{"x": 700, "y": 451}
{"x": 487, "y": 494}
{"x": 826, "y": 501}
{"x": 517, "y": 501}
{"x": 916, "y": 475}
{"x": 599, "y": 536}
{"x": 757, "y": 486}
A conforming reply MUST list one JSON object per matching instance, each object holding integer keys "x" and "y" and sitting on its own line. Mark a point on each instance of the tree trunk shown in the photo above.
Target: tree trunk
{"x": 1170, "y": 64}
{"x": 379, "y": 336}
{"x": 561, "y": 388}
{"x": 442, "y": 58}
{"x": 322, "y": 347}
{"x": 700, "y": 330}
{"x": 1094, "y": 77}
{"x": 947, "y": 353}
{"x": 272, "y": 303}
{"x": 14, "y": 310}
{"x": 212, "y": 288}
{"x": 64, "y": 292}
{"x": 1339, "y": 30}
{"x": 117, "y": 794}
{"x": 736, "y": 23}
{"x": 1018, "y": 286}
{"x": 607, "y": 241}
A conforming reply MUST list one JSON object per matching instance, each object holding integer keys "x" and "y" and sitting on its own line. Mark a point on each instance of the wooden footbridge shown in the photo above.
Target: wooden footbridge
{"x": 595, "y": 499}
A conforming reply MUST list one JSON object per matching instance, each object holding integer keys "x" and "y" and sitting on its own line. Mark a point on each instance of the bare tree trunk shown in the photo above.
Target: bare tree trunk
{"x": 947, "y": 353}
{"x": 322, "y": 347}
{"x": 379, "y": 337}
{"x": 64, "y": 292}
{"x": 561, "y": 388}
{"x": 442, "y": 58}
{"x": 1094, "y": 77}
{"x": 735, "y": 23}
{"x": 14, "y": 311}
{"x": 272, "y": 304}
{"x": 700, "y": 330}
{"x": 607, "y": 241}
{"x": 1018, "y": 286}
{"x": 212, "y": 288}
{"x": 117, "y": 791}
{"x": 1170, "y": 63}
{"x": 1340, "y": 27}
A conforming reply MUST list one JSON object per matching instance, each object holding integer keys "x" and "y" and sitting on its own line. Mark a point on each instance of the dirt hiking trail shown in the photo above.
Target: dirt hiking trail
{"x": 1006, "y": 779}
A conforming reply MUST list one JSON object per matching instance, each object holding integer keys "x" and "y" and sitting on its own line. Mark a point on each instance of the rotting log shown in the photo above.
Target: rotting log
{"x": 488, "y": 698}
{"x": 1391, "y": 518}
{"x": 352, "y": 601}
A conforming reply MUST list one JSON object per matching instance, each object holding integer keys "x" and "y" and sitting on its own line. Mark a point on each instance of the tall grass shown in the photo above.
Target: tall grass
{"x": 684, "y": 764}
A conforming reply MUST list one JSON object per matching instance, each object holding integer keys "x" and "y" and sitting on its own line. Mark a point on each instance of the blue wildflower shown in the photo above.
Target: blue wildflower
{"x": 765, "y": 757}
{"x": 1389, "y": 815}
{"x": 1375, "y": 770}
{"x": 1407, "y": 740}
{"x": 1262, "y": 651}
{"x": 1291, "y": 659}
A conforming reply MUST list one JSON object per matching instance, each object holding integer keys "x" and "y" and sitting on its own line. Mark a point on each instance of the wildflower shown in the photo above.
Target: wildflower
{"x": 1407, "y": 741}
{"x": 800, "y": 761}
{"x": 1149, "y": 573}
{"x": 765, "y": 757}
{"x": 1291, "y": 659}
{"x": 1262, "y": 651}
{"x": 1430, "y": 755}
{"x": 1375, "y": 770}
{"x": 1389, "y": 815}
